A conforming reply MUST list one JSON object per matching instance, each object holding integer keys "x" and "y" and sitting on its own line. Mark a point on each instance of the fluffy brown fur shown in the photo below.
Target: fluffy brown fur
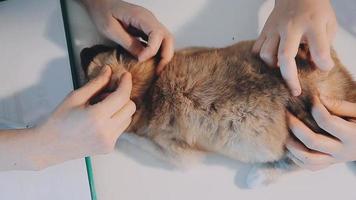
{"x": 223, "y": 100}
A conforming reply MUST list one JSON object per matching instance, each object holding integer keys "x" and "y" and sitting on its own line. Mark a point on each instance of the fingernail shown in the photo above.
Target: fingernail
{"x": 324, "y": 98}
{"x": 328, "y": 65}
{"x": 316, "y": 99}
{"x": 104, "y": 69}
{"x": 125, "y": 74}
{"x": 296, "y": 92}
{"x": 143, "y": 56}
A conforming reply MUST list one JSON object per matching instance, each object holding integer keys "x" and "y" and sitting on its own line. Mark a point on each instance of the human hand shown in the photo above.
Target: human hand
{"x": 320, "y": 151}
{"x": 291, "y": 23}
{"x": 114, "y": 18}
{"x": 77, "y": 129}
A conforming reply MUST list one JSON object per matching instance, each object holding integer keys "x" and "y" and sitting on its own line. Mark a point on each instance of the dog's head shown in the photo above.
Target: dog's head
{"x": 93, "y": 59}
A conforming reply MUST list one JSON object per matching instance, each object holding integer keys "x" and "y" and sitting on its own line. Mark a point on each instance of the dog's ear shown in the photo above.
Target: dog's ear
{"x": 88, "y": 54}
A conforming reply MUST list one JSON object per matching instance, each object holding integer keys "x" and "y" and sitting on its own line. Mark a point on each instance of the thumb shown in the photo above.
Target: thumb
{"x": 90, "y": 89}
{"x": 339, "y": 107}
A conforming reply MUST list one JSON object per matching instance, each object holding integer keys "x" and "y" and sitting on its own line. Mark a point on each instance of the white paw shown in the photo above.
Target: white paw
{"x": 258, "y": 177}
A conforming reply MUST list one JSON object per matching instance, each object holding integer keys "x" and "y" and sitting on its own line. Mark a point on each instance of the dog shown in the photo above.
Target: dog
{"x": 222, "y": 100}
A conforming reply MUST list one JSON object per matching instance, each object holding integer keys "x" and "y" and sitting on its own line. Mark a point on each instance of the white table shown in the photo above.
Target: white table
{"x": 130, "y": 173}
{"x": 34, "y": 77}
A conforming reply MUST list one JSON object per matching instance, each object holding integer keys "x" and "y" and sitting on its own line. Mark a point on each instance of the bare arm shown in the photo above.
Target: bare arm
{"x": 19, "y": 149}
{"x": 74, "y": 130}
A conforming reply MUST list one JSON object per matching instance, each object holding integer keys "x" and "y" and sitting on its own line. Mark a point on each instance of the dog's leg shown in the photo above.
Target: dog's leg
{"x": 266, "y": 173}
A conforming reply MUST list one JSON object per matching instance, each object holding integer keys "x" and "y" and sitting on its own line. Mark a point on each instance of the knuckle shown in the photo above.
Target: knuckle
{"x": 125, "y": 98}
{"x": 106, "y": 27}
{"x": 265, "y": 55}
{"x": 73, "y": 97}
{"x": 139, "y": 11}
{"x": 159, "y": 32}
{"x": 325, "y": 122}
{"x": 323, "y": 56}
{"x": 72, "y": 94}
{"x": 288, "y": 28}
{"x": 169, "y": 36}
{"x": 311, "y": 143}
{"x": 285, "y": 55}
{"x": 132, "y": 107}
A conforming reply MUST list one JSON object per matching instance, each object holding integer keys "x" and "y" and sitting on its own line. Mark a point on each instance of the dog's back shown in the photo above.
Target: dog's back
{"x": 222, "y": 100}
{"x": 228, "y": 101}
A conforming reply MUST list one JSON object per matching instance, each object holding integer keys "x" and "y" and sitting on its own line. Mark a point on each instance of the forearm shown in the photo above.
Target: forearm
{"x": 19, "y": 150}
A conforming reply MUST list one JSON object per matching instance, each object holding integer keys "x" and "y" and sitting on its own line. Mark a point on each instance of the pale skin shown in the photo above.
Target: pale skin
{"x": 293, "y": 22}
{"x": 338, "y": 118}
{"x": 77, "y": 129}
{"x": 114, "y": 19}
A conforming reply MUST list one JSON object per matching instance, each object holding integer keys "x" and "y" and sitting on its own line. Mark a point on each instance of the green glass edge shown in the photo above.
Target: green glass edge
{"x": 89, "y": 166}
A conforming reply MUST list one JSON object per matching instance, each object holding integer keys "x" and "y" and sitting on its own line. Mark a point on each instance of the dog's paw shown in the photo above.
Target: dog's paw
{"x": 259, "y": 177}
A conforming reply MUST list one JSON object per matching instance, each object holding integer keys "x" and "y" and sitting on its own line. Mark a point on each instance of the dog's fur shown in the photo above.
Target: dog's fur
{"x": 223, "y": 100}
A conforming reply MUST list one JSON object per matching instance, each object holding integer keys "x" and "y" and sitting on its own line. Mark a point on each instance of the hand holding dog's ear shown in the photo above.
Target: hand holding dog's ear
{"x": 114, "y": 19}
{"x": 290, "y": 24}
{"x": 77, "y": 129}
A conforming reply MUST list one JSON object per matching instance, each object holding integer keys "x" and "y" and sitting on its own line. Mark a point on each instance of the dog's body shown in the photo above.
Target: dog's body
{"x": 221, "y": 100}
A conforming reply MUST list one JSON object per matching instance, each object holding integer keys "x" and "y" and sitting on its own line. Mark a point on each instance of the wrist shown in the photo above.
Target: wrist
{"x": 37, "y": 158}
{"x": 19, "y": 150}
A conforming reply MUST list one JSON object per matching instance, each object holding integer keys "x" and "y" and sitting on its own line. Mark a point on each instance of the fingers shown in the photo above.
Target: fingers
{"x": 312, "y": 140}
{"x": 331, "y": 29}
{"x": 116, "y": 100}
{"x": 287, "y": 51}
{"x": 339, "y": 107}
{"x": 159, "y": 38}
{"x": 125, "y": 112}
{"x": 122, "y": 118}
{"x": 154, "y": 42}
{"x": 332, "y": 124}
{"x": 117, "y": 33}
{"x": 123, "y": 126}
{"x": 319, "y": 44}
{"x": 312, "y": 167}
{"x": 258, "y": 44}
{"x": 268, "y": 51}
{"x": 167, "y": 52}
{"x": 306, "y": 158}
{"x": 83, "y": 94}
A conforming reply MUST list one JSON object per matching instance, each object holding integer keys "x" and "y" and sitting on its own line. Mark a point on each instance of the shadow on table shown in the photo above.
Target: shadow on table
{"x": 32, "y": 104}
{"x": 135, "y": 151}
{"x": 352, "y": 166}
